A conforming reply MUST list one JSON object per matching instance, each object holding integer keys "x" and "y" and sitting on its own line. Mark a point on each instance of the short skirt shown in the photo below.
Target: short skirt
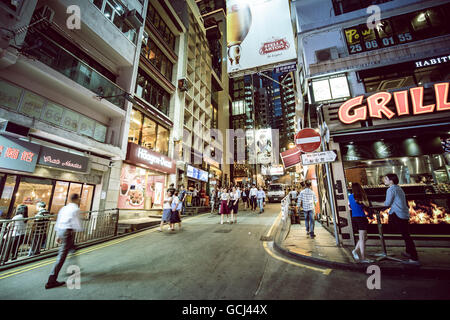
{"x": 166, "y": 215}
{"x": 361, "y": 222}
{"x": 234, "y": 207}
{"x": 175, "y": 217}
{"x": 224, "y": 207}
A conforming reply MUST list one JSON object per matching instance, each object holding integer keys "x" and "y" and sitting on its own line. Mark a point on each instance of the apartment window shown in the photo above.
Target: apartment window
{"x": 150, "y": 91}
{"x": 148, "y": 133}
{"x": 163, "y": 30}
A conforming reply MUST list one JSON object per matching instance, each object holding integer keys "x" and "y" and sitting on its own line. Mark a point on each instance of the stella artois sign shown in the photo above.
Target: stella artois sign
{"x": 277, "y": 45}
{"x": 353, "y": 110}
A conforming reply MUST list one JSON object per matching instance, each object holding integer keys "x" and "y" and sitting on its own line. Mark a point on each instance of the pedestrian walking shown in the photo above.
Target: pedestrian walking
{"x": 293, "y": 195}
{"x": 213, "y": 199}
{"x": 261, "y": 198}
{"x": 67, "y": 223}
{"x": 195, "y": 197}
{"x": 224, "y": 205}
{"x": 308, "y": 200}
{"x": 357, "y": 202}
{"x": 234, "y": 204}
{"x": 176, "y": 207}
{"x": 171, "y": 188}
{"x": 167, "y": 210}
{"x": 245, "y": 195}
{"x": 39, "y": 229}
{"x": 253, "y": 193}
{"x": 182, "y": 195}
{"x": 399, "y": 215}
{"x": 15, "y": 232}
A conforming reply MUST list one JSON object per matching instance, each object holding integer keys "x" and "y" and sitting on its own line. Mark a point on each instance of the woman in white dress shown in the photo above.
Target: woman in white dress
{"x": 167, "y": 209}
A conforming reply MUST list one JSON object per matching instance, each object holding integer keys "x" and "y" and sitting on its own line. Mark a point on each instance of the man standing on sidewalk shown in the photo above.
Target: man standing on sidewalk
{"x": 399, "y": 215}
{"x": 67, "y": 223}
{"x": 308, "y": 200}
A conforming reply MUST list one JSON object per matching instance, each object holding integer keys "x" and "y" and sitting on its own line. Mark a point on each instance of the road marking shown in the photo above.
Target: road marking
{"x": 46, "y": 262}
{"x": 325, "y": 271}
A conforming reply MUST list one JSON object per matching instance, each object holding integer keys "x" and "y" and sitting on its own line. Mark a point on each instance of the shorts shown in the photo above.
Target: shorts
{"x": 361, "y": 223}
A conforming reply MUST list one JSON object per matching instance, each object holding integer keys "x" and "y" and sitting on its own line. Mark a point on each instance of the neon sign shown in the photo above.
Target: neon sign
{"x": 353, "y": 110}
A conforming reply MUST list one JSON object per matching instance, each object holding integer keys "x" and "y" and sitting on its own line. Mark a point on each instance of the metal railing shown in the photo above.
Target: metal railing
{"x": 26, "y": 238}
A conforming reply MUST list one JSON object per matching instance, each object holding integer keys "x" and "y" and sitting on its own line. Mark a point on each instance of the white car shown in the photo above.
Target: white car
{"x": 276, "y": 192}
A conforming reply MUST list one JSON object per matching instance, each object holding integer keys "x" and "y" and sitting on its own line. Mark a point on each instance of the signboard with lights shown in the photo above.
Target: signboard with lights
{"x": 353, "y": 110}
{"x": 419, "y": 25}
{"x": 18, "y": 155}
{"x": 330, "y": 89}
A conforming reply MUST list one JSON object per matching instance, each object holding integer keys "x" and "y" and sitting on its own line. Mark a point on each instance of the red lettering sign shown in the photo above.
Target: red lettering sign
{"x": 27, "y": 156}
{"x": 12, "y": 153}
{"x": 358, "y": 114}
{"x": 277, "y": 45}
{"x": 352, "y": 110}
{"x": 441, "y": 90}
{"x": 1, "y": 150}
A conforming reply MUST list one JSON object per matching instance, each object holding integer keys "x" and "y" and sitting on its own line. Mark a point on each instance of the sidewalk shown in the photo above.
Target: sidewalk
{"x": 322, "y": 250}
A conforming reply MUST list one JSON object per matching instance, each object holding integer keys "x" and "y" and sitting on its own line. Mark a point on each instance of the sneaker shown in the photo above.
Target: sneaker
{"x": 159, "y": 229}
{"x": 55, "y": 284}
{"x": 366, "y": 261}
{"x": 406, "y": 255}
{"x": 355, "y": 255}
{"x": 312, "y": 235}
{"x": 413, "y": 262}
{"x": 221, "y": 222}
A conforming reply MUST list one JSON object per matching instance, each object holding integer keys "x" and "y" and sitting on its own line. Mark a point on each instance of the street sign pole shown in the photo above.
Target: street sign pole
{"x": 329, "y": 180}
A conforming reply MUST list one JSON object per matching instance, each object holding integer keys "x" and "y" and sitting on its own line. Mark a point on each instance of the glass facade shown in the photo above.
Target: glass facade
{"x": 147, "y": 133}
{"x": 161, "y": 26}
{"x": 150, "y": 91}
{"x": 157, "y": 58}
{"x": 18, "y": 189}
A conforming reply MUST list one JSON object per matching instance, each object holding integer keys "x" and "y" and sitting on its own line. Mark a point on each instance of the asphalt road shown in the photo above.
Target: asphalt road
{"x": 206, "y": 261}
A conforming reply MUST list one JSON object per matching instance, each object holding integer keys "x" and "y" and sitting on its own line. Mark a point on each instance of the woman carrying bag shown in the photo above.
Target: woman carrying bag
{"x": 177, "y": 205}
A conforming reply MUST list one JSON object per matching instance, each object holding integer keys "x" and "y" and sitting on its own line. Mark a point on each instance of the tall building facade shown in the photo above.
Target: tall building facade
{"x": 377, "y": 90}
{"x": 66, "y": 74}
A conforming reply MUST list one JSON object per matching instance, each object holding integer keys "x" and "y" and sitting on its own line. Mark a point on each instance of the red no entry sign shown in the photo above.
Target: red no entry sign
{"x": 308, "y": 140}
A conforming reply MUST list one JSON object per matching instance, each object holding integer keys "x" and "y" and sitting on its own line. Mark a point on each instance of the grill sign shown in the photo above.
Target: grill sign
{"x": 353, "y": 110}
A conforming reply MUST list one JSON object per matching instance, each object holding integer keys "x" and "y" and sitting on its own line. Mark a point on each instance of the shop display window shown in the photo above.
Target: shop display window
{"x": 59, "y": 196}
{"x": 149, "y": 134}
{"x": 135, "y": 126}
{"x": 7, "y": 194}
{"x": 86, "y": 197}
{"x": 421, "y": 164}
{"x": 31, "y": 191}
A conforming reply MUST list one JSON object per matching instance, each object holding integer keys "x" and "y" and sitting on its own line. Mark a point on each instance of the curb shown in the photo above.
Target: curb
{"x": 354, "y": 267}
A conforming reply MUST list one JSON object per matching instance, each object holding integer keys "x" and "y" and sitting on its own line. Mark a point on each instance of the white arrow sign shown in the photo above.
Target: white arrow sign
{"x": 318, "y": 157}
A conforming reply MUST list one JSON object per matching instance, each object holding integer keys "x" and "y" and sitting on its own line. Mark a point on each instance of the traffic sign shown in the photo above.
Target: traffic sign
{"x": 308, "y": 140}
{"x": 318, "y": 157}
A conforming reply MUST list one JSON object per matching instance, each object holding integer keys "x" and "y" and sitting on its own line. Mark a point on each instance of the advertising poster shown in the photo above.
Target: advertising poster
{"x": 264, "y": 146}
{"x": 132, "y": 187}
{"x": 259, "y": 33}
{"x": 251, "y": 152}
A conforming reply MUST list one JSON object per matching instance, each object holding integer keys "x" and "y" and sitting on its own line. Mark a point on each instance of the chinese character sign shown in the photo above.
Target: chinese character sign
{"x": 18, "y": 155}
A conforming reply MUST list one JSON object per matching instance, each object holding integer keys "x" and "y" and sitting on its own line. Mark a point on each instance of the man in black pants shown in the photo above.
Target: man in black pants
{"x": 399, "y": 215}
{"x": 67, "y": 223}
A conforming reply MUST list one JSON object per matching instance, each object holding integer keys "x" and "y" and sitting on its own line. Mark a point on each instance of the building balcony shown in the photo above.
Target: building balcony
{"x": 57, "y": 58}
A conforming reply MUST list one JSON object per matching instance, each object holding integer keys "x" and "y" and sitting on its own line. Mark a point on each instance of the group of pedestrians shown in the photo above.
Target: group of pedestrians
{"x": 398, "y": 217}
{"x": 173, "y": 207}
{"x": 18, "y": 232}
{"x": 227, "y": 201}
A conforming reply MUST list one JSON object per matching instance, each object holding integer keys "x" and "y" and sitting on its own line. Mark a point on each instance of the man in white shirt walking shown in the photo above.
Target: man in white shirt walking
{"x": 253, "y": 193}
{"x": 67, "y": 223}
{"x": 308, "y": 199}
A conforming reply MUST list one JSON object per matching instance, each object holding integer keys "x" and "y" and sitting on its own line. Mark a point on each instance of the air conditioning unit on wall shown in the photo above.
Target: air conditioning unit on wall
{"x": 326, "y": 54}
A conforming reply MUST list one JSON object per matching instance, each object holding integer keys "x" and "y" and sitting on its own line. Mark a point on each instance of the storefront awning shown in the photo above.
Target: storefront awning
{"x": 383, "y": 132}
